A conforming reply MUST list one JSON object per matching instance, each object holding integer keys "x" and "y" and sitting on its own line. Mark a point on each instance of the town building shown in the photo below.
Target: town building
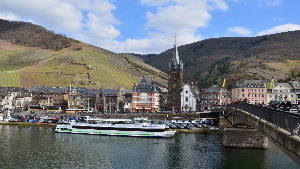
{"x": 213, "y": 96}
{"x": 14, "y": 98}
{"x": 175, "y": 77}
{"x": 145, "y": 96}
{"x": 296, "y": 90}
{"x": 48, "y": 98}
{"x": 254, "y": 91}
{"x": 189, "y": 98}
{"x": 112, "y": 99}
{"x": 83, "y": 99}
{"x": 281, "y": 90}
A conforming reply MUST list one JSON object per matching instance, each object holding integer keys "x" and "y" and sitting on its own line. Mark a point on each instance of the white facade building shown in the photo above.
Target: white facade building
{"x": 188, "y": 98}
{"x": 281, "y": 90}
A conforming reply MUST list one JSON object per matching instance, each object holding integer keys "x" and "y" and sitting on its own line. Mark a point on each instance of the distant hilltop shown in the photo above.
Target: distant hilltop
{"x": 209, "y": 61}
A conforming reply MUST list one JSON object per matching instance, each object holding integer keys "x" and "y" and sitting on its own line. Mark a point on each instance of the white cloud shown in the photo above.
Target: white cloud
{"x": 154, "y": 43}
{"x": 280, "y": 28}
{"x": 9, "y": 16}
{"x": 173, "y": 16}
{"x": 240, "y": 30}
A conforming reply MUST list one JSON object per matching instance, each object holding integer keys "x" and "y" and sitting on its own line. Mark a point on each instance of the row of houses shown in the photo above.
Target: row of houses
{"x": 265, "y": 91}
{"x": 145, "y": 96}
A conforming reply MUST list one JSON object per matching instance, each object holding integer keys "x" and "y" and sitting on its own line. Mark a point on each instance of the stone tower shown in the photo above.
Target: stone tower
{"x": 175, "y": 76}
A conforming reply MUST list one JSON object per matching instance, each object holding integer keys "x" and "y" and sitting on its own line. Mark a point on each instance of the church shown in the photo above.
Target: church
{"x": 175, "y": 76}
{"x": 181, "y": 98}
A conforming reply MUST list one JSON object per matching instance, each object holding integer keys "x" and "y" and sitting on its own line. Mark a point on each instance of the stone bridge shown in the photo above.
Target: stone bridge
{"x": 282, "y": 128}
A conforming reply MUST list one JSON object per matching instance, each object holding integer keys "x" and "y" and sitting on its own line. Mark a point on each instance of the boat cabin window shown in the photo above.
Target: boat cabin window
{"x": 141, "y": 121}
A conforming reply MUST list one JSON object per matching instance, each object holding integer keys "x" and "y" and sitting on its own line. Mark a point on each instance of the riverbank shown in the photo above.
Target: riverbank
{"x": 28, "y": 124}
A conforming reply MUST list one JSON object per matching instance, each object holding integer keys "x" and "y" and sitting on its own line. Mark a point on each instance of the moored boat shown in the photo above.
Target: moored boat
{"x": 139, "y": 127}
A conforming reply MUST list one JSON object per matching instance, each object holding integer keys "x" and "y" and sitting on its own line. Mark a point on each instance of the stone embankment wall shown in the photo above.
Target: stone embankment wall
{"x": 244, "y": 138}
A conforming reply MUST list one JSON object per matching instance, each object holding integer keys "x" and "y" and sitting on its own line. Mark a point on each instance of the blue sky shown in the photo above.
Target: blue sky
{"x": 149, "y": 26}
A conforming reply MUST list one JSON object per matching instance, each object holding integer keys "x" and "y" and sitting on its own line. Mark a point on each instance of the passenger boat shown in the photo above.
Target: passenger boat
{"x": 139, "y": 127}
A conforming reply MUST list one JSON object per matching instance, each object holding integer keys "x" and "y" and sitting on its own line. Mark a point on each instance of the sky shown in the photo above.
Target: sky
{"x": 150, "y": 26}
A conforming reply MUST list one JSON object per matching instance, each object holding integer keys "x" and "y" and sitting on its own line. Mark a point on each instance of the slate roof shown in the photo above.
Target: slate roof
{"x": 43, "y": 89}
{"x": 111, "y": 92}
{"x": 5, "y": 90}
{"x": 215, "y": 89}
{"x": 193, "y": 90}
{"x": 146, "y": 85}
{"x": 253, "y": 84}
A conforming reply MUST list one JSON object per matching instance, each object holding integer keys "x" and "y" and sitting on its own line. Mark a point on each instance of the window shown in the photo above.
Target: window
{"x": 174, "y": 73}
{"x": 262, "y": 90}
{"x": 258, "y": 90}
{"x": 262, "y": 95}
{"x": 186, "y": 92}
{"x": 242, "y": 90}
{"x": 186, "y": 99}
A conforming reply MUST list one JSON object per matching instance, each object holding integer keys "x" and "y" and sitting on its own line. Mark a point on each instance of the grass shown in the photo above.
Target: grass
{"x": 89, "y": 67}
{"x": 9, "y": 79}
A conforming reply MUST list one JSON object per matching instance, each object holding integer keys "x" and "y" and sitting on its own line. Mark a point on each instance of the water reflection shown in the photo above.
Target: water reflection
{"x": 40, "y": 147}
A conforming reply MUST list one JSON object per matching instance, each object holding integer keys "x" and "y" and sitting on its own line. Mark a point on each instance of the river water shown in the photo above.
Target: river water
{"x": 40, "y": 147}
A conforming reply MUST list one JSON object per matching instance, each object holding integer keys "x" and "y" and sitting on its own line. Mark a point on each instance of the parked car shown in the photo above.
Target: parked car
{"x": 214, "y": 128}
{"x": 198, "y": 125}
{"x": 172, "y": 126}
{"x": 188, "y": 126}
{"x": 179, "y": 126}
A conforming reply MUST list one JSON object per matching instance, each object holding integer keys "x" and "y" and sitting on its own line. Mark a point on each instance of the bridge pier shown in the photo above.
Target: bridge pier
{"x": 244, "y": 138}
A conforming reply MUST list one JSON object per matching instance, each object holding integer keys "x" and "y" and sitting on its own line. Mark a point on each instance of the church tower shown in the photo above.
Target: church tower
{"x": 175, "y": 76}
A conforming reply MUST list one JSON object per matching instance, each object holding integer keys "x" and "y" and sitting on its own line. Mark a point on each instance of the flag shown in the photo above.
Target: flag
{"x": 224, "y": 83}
{"x": 271, "y": 85}
{"x": 265, "y": 85}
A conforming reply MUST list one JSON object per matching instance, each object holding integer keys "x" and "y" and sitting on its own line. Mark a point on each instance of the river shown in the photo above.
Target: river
{"x": 40, "y": 147}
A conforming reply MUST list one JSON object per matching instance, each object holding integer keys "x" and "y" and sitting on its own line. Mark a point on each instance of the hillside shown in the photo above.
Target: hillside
{"x": 236, "y": 58}
{"x": 29, "y": 57}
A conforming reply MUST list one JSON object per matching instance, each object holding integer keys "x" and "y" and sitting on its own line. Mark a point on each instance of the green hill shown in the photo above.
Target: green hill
{"x": 236, "y": 58}
{"x": 61, "y": 61}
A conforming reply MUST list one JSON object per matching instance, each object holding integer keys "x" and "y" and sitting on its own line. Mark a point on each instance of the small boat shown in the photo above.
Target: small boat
{"x": 116, "y": 127}
{"x": 212, "y": 128}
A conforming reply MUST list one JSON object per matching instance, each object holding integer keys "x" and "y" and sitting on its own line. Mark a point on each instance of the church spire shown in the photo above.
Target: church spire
{"x": 176, "y": 52}
{"x": 175, "y": 62}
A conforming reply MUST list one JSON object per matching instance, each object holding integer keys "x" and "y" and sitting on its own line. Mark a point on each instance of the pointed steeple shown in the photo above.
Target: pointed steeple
{"x": 175, "y": 62}
{"x": 176, "y": 52}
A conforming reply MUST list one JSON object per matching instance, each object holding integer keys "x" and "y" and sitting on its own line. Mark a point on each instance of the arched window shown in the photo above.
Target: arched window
{"x": 186, "y": 99}
{"x": 186, "y": 92}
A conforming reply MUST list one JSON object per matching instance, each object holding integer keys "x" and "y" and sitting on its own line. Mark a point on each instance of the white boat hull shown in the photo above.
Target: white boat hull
{"x": 72, "y": 130}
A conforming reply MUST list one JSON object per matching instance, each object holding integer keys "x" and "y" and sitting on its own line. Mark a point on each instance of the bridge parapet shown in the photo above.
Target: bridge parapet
{"x": 285, "y": 120}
